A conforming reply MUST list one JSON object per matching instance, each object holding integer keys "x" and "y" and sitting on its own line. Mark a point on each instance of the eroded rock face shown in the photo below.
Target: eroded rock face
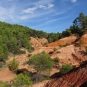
{"x": 84, "y": 38}
{"x": 74, "y": 79}
{"x": 63, "y": 41}
{"x": 35, "y": 42}
{"x": 38, "y": 42}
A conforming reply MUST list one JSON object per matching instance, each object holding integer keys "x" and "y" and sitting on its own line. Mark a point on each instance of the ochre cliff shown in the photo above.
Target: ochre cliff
{"x": 74, "y": 79}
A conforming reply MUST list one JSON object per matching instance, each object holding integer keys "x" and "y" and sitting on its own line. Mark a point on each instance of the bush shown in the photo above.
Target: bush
{"x": 29, "y": 54}
{"x": 41, "y": 62}
{"x": 65, "y": 68}
{"x": 56, "y": 60}
{"x": 67, "y": 44}
{"x": 37, "y": 77}
{"x": 22, "y": 52}
{"x": 3, "y": 52}
{"x": 60, "y": 45}
{"x": 4, "y": 84}
{"x": 13, "y": 65}
{"x": 77, "y": 44}
{"x": 45, "y": 43}
{"x": 22, "y": 80}
{"x": 1, "y": 64}
{"x": 55, "y": 49}
{"x": 80, "y": 42}
{"x": 58, "y": 52}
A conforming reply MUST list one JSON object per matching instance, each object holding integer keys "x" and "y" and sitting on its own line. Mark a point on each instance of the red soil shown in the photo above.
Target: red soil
{"x": 69, "y": 54}
{"x": 73, "y": 79}
{"x": 63, "y": 41}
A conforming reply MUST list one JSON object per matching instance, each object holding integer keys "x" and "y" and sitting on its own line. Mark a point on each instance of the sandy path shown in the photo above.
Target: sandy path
{"x": 6, "y": 75}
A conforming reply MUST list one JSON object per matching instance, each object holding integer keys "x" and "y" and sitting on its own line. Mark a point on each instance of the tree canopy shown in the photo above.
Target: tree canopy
{"x": 21, "y": 80}
{"x": 41, "y": 62}
{"x": 13, "y": 37}
{"x": 65, "y": 68}
{"x": 80, "y": 21}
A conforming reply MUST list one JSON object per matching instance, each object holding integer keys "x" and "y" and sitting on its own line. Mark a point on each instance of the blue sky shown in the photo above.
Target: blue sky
{"x": 46, "y": 15}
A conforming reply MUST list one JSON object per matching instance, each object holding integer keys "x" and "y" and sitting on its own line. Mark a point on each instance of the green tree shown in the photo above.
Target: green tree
{"x": 22, "y": 80}
{"x": 4, "y": 84}
{"x": 3, "y": 52}
{"x": 14, "y": 65}
{"x": 41, "y": 62}
{"x": 13, "y": 45}
{"x": 56, "y": 60}
{"x": 81, "y": 42}
{"x": 81, "y": 21}
{"x": 65, "y": 68}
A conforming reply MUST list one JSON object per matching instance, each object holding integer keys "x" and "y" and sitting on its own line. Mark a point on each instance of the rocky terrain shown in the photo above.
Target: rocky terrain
{"x": 73, "y": 79}
{"x": 63, "y": 41}
{"x": 67, "y": 54}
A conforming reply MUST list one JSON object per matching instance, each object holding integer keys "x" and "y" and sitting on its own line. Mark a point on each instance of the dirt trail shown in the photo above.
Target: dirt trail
{"x": 6, "y": 75}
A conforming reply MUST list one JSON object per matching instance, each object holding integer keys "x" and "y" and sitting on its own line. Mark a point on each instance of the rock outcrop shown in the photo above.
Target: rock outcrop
{"x": 74, "y": 79}
{"x": 64, "y": 41}
{"x": 84, "y": 39}
{"x": 38, "y": 42}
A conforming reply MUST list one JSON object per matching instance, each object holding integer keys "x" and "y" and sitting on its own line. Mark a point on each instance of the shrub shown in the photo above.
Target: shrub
{"x": 55, "y": 49}
{"x": 77, "y": 44}
{"x": 22, "y": 80}
{"x": 1, "y": 64}
{"x": 32, "y": 48}
{"x": 4, "y": 84}
{"x": 13, "y": 65}
{"x": 56, "y": 60}
{"x": 60, "y": 45}
{"x": 37, "y": 77}
{"x": 41, "y": 62}
{"x": 3, "y": 52}
{"x": 67, "y": 44}
{"x": 80, "y": 43}
{"x": 29, "y": 54}
{"x": 65, "y": 68}
{"x": 58, "y": 52}
{"x": 22, "y": 52}
{"x": 45, "y": 43}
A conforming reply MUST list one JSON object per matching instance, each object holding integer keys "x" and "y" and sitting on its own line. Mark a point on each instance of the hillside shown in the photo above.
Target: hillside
{"x": 33, "y": 57}
{"x": 68, "y": 40}
{"x": 76, "y": 78}
{"x": 74, "y": 56}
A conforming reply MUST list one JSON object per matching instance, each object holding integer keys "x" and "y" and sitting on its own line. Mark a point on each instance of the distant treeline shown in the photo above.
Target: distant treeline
{"x": 13, "y": 37}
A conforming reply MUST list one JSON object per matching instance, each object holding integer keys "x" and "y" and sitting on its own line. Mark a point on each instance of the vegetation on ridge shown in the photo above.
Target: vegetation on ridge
{"x": 15, "y": 37}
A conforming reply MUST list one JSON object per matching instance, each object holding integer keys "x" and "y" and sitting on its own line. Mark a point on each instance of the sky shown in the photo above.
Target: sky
{"x": 47, "y": 15}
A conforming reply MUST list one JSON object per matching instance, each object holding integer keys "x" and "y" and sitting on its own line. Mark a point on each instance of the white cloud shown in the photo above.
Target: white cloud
{"x": 58, "y": 13}
{"x": 6, "y": 14}
{"x": 73, "y": 1}
{"x": 43, "y": 6}
{"x": 46, "y": 7}
{"x": 29, "y": 10}
{"x": 36, "y": 15}
{"x": 68, "y": 1}
{"x": 43, "y": 2}
{"x": 50, "y": 5}
{"x": 13, "y": 12}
